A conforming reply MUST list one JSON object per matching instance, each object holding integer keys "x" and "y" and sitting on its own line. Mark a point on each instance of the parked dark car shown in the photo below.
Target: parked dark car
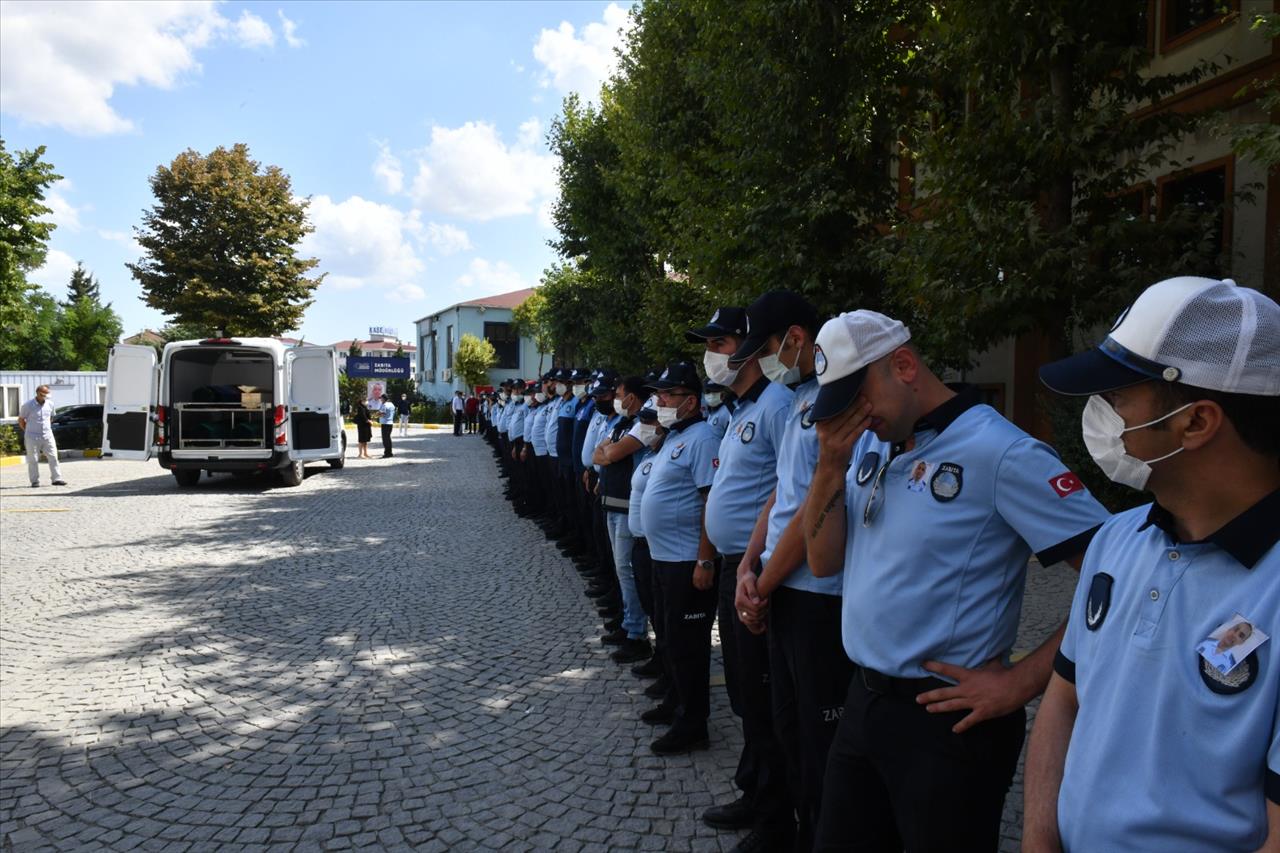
{"x": 77, "y": 427}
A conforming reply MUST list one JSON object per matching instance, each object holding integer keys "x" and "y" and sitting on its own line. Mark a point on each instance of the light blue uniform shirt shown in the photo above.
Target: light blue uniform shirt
{"x": 671, "y": 508}
{"x": 504, "y": 413}
{"x": 515, "y": 426}
{"x": 639, "y": 479}
{"x": 748, "y": 465}
{"x": 719, "y": 419}
{"x": 550, "y": 426}
{"x": 797, "y": 459}
{"x": 596, "y": 433}
{"x": 535, "y": 429}
{"x": 939, "y": 572}
{"x": 1166, "y": 756}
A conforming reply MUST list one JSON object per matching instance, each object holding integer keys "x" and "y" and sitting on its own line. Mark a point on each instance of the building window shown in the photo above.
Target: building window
{"x": 435, "y": 356}
{"x": 448, "y": 347}
{"x": 506, "y": 343}
{"x": 1183, "y": 20}
{"x": 10, "y": 400}
{"x": 1207, "y": 188}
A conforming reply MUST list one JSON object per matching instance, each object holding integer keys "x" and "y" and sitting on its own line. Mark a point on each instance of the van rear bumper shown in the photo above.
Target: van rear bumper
{"x": 277, "y": 459}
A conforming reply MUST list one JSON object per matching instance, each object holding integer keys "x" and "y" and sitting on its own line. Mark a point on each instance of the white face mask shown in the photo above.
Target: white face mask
{"x": 561, "y": 389}
{"x": 1103, "y": 432}
{"x": 579, "y": 390}
{"x": 773, "y": 367}
{"x": 717, "y": 366}
{"x": 713, "y": 399}
{"x": 668, "y": 416}
{"x": 646, "y": 433}
{"x": 540, "y": 397}
{"x": 618, "y": 407}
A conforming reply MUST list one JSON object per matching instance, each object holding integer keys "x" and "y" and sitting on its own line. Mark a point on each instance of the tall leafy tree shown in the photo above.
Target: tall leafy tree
{"x": 221, "y": 244}
{"x": 24, "y": 237}
{"x": 472, "y": 360}
{"x": 87, "y": 328}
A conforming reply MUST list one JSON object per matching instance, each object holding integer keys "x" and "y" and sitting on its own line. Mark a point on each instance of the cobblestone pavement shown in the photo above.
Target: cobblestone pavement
{"x": 382, "y": 657}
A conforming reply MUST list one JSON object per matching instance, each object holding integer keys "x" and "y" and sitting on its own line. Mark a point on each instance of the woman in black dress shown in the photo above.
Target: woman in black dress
{"x": 364, "y": 432}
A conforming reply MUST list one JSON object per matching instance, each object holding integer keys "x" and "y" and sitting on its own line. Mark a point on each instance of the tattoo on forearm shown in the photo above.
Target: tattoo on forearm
{"x": 826, "y": 510}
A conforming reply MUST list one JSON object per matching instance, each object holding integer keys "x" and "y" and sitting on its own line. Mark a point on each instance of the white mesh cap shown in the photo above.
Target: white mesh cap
{"x": 845, "y": 346}
{"x": 1198, "y": 331}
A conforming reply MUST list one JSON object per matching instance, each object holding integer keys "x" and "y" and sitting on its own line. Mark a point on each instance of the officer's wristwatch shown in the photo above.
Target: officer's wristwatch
{"x": 706, "y": 564}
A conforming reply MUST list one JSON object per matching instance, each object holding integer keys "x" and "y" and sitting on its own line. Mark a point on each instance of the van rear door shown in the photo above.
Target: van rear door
{"x": 132, "y": 385}
{"x": 314, "y": 428}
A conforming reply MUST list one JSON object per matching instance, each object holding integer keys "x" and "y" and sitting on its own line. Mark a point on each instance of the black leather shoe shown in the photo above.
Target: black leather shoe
{"x": 659, "y": 715}
{"x": 651, "y": 668}
{"x": 632, "y": 651}
{"x": 675, "y": 742}
{"x": 733, "y": 815}
{"x": 658, "y": 689}
{"x": 614, "y": 638}
{"x": 766, "y": 840}
{"x": 612, "y": 625}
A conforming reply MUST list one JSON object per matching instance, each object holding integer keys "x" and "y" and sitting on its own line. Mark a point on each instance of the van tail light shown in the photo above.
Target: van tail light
{"x": 279, "y": 424}
{"x": 161, "y": 426}
{"x": 279, "y": 415}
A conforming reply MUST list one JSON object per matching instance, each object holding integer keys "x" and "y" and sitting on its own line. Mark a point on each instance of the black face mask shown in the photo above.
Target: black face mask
{"x": 604, "y": 407}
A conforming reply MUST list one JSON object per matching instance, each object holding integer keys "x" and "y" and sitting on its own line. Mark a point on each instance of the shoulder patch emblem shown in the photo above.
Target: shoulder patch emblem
{"x": 947, "y": 482}
{"x": 1239, "y": 679}
{"x": 647, "y": 467}
{"x": 806, "y": 421}
{"x": 1099, "y": 601}
{"x": 679, "y": 448}
{"x": 748, "y": 432}
{"x": 1066, "y": 483}
{"x": 867, "y": 467}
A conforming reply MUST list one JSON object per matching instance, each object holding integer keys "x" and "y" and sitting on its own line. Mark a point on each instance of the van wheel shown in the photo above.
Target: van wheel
{"x": 187, "y": 477}
{"x": 341, "y": 460}
{"x": 292, "y": 474}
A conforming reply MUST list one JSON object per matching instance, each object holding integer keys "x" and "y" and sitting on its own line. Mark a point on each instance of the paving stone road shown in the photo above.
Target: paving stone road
{"x": 382, "y": 657}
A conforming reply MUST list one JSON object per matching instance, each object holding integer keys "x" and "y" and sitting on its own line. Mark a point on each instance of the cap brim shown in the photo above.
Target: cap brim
{"x": 834, "y": 397}
{"x": 1089, "y": 372}
{"x": 751, "y": 345}
{"x": 711, "y": 330}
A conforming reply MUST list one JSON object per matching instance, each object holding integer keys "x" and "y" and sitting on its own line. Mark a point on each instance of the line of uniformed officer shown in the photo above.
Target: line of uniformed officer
{"x": 863, "y": 531}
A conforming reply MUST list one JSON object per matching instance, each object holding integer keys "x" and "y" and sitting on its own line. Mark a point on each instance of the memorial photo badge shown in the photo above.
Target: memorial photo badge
{"x": 947, "y": 482}
{"x": 1226, "y": 657}
{"x": 867, "y": 469}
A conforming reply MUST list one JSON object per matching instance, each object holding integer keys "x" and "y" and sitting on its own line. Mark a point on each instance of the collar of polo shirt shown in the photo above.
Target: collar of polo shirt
{"x": 1247, "y": 537}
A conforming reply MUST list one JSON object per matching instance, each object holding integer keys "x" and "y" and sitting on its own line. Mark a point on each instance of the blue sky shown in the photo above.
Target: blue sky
{"x": 417, "y": 129}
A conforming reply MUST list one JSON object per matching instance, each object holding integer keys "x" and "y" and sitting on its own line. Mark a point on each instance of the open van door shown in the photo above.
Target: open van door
{"x": 315, "y": 431}
{"x": 132, "y": 385}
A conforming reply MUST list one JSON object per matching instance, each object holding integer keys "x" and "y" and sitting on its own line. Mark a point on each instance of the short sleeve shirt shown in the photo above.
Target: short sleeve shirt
{"x": 718, "y": 419}
{"x": 39, "y": 418}
{"x": 938, "y": 572}
{"x": 671, "y": 508}
{"x": 1169, "y": 753}
{"x": 515, "y": 426}
{"x": 639, "y": 479}
{"x": 551, "y": 426}
{"x": 597, "y": 429}
{"x": 388, "y": 413}
{"x": 748, "y": 467}
{"x": 535, "y": 430}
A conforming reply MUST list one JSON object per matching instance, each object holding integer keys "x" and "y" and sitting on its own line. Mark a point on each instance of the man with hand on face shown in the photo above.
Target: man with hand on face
{"x": 808, "y": 669}
{"x": 743, "y": 485}
{"x": 1142, "y": 741}
{"x": 684, "y": 565}
{"x": 933, "y": 721}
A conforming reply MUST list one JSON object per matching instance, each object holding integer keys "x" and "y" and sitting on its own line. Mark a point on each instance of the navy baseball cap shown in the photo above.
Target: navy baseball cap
{"x": 728, "y": 321}
{"x": 678, "y": 374}
{"x": 605, "y": 384}
{"x": 772, "y": 314}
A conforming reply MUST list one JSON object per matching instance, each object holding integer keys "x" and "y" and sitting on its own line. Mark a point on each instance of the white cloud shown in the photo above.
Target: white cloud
{"x": 60, "y": 63}
{"x": 492, "y": 277}
{"x": 470, "y": 172}
{"x": 449, "y": 239}
{"x": 55, "y": 273}
{"x": 574, "y": 62}
{"x": 362, "y": 243}
{"x": 406, "y": 293}
{"x": 388, "y": 171}
{"x": 252, "y": 31}
{"x": 290, "y": 28}
{"x": 63, "y": 213}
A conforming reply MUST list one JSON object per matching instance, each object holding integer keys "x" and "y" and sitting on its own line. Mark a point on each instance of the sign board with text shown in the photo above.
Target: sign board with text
{"x": 382, "y": 366}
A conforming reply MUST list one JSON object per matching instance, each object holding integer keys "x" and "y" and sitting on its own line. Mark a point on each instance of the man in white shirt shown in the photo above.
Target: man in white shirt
{"x": 35, "y": 419}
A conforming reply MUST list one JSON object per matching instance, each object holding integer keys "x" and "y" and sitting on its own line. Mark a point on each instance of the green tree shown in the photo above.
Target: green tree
{"x": 530, "y": 320}
{"x": 221, "y": 245}
{"x": 398, "y": 386}
{"x": 351, "y": 390}
{"x": 24, "y": 237}
{"x": 86, "y": 329}
{"x": 1029, "y": 144}
{"x": 187, "y": 331}
{"x": 472, "y": 360}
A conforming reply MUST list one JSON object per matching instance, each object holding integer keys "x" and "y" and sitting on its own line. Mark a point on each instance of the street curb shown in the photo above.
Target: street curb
{"x": 91, "y": 453}
{"x": 6, "y": 461}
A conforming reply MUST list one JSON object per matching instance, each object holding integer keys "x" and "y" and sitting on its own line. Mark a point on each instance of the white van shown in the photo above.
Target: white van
{"x": 223, "y": 404}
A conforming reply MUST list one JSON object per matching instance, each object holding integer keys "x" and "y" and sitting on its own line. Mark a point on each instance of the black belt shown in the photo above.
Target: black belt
{"x": 888, "y": 685}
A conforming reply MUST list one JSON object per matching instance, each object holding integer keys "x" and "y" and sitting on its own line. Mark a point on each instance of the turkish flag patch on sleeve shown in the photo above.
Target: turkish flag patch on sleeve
{"x": 1066, "y": 483}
